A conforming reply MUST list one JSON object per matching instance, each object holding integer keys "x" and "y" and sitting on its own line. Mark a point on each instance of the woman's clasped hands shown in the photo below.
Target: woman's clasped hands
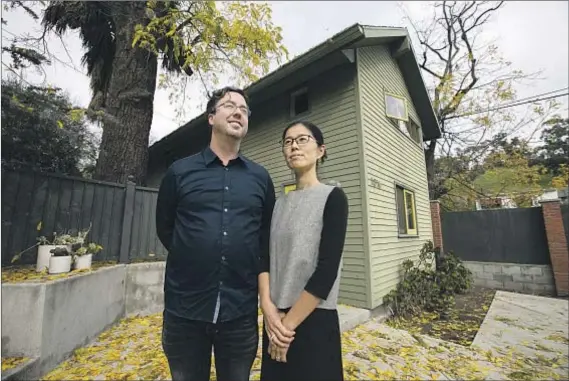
{"x": 280, "y": 337}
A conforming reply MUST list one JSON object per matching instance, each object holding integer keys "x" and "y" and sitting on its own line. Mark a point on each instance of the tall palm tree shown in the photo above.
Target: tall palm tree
{"x": 123, "y": 78}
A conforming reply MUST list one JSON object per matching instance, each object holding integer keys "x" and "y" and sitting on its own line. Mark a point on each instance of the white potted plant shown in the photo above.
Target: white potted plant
{"x": 60, "y": 261}
{"x": 83, "y": 257}
{"x": 70, "y": 242}
{"x": 45, "y": 247}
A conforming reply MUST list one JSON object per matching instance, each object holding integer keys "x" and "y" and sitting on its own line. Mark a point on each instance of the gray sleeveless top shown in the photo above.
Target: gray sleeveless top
{"x": 294, "y": 243}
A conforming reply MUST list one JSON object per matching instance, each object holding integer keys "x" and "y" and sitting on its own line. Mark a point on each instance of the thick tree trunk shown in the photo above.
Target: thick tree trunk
{"x": 430, "y": 162}
{"x": 129, "y": 106}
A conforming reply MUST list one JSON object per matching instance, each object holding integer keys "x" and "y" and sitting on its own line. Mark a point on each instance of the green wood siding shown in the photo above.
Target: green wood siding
{"x": 390, "y": 157}
{"x": 332, "y": 97}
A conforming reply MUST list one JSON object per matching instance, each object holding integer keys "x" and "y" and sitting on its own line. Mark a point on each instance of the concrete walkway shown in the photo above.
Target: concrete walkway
{"x": 535, "y": 327}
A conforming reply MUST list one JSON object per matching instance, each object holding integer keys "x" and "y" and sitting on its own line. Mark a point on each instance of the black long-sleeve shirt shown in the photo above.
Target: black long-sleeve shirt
{"x": 214, "y": 220}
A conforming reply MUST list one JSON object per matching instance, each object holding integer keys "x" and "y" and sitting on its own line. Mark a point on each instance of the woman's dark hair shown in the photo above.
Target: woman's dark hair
{"x": 314, "y": 130}
{"x": 218, "y": 94}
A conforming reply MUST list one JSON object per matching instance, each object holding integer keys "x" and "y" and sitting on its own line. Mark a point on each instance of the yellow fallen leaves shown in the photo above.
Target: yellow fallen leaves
{"x": 132, "y": 351}
{"x": 12, "y": 362}
{"x": 462, "y": 324}
{"x": 382, "y": 353}
{"x": 556, "y": 337}
{"x": 27, "y": 273}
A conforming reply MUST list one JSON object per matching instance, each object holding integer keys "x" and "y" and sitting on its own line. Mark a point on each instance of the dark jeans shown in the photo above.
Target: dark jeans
{"x": 187, "y": 345}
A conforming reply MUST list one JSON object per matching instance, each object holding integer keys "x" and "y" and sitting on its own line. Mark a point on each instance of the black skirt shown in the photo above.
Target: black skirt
{"x": 315, "y": 354}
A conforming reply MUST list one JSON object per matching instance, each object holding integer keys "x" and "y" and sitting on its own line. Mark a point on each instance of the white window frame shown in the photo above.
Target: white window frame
{"x": 405, "y": 117}
{"x": 405, "y": 212}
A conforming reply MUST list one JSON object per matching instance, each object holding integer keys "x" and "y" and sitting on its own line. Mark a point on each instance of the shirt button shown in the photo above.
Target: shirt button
{"x": 224, "y": 233}
{"x": 225, "y": 210}
{"x": 223, "y": 258}
{"x": 221, "y": 283}
{"x": 226, "y": 188}
{"x": 227, "y": 169}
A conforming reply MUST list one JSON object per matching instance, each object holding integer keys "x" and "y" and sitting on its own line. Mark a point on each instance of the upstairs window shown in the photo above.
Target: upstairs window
{"x": 396, "y": 107}
{"x": 397, "y": 110}
{"x": 299, "y": 102}
{"x": 411, "y": 129}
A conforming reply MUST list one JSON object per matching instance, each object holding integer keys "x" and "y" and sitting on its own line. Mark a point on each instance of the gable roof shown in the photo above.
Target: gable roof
{"x": 356, "y": 35}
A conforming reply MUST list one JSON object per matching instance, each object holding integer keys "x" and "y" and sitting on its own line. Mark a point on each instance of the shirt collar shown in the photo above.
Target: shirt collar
{"x": 209, "y": 156}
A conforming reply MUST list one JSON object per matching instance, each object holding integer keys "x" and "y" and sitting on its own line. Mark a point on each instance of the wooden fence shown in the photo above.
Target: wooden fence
{"x": 499, "y": 235}
{"x": 122, "y": 215}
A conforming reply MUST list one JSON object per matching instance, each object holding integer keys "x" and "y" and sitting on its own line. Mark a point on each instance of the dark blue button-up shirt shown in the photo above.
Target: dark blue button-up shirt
{"x": 214, "y": 220}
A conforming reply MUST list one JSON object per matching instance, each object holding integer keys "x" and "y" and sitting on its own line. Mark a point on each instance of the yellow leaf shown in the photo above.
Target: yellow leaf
{"x": 59, "y": 124}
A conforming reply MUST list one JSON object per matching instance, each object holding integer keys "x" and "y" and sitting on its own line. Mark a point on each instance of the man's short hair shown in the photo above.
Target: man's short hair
{"x": 220, "y": 93}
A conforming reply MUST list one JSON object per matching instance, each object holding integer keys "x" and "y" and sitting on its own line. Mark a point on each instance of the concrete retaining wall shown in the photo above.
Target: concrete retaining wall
{"x": 77, "y": 309}
{"x": 145, "y": 288}
{"x": 48, "y": 321}
{"x": 531, "y": 279}
{"x": 22, "y": 319}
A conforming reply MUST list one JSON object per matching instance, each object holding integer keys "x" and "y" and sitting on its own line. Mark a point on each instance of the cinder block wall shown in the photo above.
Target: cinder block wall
{"x": 531, "y": 279}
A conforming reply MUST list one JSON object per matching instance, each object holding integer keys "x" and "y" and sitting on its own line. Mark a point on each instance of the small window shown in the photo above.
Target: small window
{"x": 415, "y": 132}
{"x": 396, "y": 107}
{"x": 406, "y": 212}
{"x": 411, "y": 129}
{"x": 299, "y": 103}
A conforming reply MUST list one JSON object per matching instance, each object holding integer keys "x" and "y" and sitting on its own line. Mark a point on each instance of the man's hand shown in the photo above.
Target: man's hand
{"x": 279, "y": 335}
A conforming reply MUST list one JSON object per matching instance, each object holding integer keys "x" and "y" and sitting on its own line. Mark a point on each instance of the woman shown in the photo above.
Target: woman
{"x": 299, "y": 282}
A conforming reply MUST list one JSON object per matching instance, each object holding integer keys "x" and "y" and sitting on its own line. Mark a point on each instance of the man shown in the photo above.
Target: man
{"x": 213, "y": 215}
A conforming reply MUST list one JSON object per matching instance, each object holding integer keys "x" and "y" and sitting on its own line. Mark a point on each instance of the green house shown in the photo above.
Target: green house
{"x": 364, "y": 89}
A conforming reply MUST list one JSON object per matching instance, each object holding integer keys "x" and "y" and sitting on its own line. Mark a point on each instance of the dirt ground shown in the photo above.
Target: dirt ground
{"x": 460, "y": 326}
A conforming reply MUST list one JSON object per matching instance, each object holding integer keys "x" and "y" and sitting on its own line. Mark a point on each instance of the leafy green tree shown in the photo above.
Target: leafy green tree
{"x": 503, "y": 167}
{"x": 42, "y": 130}
{"x": 124, "y": 42}
{"x": 554, "y": 152}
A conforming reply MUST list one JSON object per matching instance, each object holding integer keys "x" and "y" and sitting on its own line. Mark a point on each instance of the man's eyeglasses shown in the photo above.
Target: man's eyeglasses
{"x": 300, "y": 140}
{"x": 231, "y": 107}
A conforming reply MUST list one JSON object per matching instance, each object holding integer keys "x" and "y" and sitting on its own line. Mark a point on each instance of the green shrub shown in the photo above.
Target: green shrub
{"x": 425, "y": 286}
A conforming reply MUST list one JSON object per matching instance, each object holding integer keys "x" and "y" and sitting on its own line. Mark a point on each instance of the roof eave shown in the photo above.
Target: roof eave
{"x": 348, "y": 37}
{"x": 429, "y": 115}
{"x": 412, "y": 73}
{"x": 339, "y": 40}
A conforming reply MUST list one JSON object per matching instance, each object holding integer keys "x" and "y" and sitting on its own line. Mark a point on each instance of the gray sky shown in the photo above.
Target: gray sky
{"x": 532, "y": 35}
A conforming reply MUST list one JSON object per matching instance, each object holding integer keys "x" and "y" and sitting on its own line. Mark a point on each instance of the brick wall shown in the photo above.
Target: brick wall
{"x": 436, "y": 223}
{"x": 557, "y": 243}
